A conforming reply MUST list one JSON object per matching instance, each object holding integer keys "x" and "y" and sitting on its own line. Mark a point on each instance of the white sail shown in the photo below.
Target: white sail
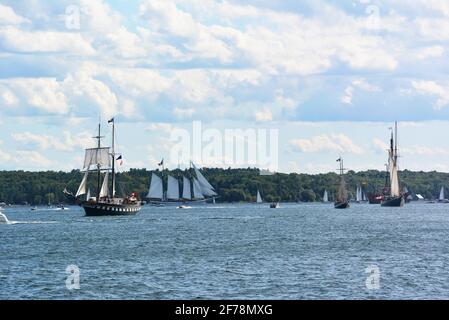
{"x": 259, "y": 198}
{"x": 441, "y": 194}
{"x": 88, "y": 195}
{"x": 206, "y": 187}
{"x": 97, "y": 156}
{"x": 172, "y": 188}
{"x": 155, "y": 191}
{"x": 104, "y": 192}
{"x": 82, "y": 187}
{"x": 197, "y": 194}
{"x": 364, "y": 196}
{"x": 186, "y": 193}
{"x": 359, "y": 194}
{"x": 325, "y": 196}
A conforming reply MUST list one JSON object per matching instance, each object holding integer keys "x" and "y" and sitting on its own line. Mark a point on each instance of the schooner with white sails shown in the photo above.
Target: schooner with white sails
{"x": 195, "y": 189}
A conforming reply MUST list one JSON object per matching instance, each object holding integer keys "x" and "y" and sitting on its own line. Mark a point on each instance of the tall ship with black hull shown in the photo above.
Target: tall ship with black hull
{"x": 393, "y": 197}
{"x": 341, "y": 201}
{"x": 100, "y": 161}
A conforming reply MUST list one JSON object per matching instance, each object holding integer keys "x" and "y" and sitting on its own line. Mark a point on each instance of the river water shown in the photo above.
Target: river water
{"x": 232, "y": 251}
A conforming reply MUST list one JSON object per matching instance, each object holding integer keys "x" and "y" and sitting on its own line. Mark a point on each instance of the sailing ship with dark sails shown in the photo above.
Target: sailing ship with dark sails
{"x": 393, "y": 197}
{"x": 100, "y": 161}
{"x": 341, "y": 201}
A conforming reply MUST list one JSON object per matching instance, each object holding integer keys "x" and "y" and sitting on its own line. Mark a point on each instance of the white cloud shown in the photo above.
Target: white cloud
{"x": 160, "y": 127}
{"x": 13, "y": 39}
{"x": 361, "y": 84}
{"x": 67, "y": 142}
{"x": 415, "y": 150}
{"x": 433, "y": 89}
{"x": 263, "y": 115}
{"x": 33, "y": 159}
{"x": 336, "y": 143}
{"x": 45, "y": 94}
{"x": 9, "y": 17}
{"x": 431, "y": 52}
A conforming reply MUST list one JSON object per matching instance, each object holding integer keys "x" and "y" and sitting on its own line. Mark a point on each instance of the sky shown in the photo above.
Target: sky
{"x": 329, "y": 77}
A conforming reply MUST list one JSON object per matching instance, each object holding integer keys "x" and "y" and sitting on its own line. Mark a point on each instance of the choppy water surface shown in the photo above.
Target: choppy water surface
{"x": 228, "y": 252}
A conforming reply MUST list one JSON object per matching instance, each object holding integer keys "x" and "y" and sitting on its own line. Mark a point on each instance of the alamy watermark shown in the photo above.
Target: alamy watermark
{"x": 373, "y": 280}
{"x": 72, "y": 281}
{"x": 373, "y": 15}
{"x": 249, "y": 147}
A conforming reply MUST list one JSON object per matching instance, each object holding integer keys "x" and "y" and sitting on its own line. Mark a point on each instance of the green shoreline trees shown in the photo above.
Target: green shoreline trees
{"x": 233, "y": 185}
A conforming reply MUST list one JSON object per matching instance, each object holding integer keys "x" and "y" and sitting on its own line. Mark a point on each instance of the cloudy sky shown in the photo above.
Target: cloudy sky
{"x": 330, "y": 76}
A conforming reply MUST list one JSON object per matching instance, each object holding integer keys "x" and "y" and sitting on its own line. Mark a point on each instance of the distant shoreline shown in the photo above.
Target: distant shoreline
{"x": 232, "y": 185}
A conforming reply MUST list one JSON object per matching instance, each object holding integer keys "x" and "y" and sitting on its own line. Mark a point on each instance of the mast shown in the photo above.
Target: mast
{"x": 98, "y": 164}
{"x": 113, "y": 157}
{"x": 395, "y": 142}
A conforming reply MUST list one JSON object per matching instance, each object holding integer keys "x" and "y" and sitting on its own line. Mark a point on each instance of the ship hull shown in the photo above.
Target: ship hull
{"x": 341, "y": 205}
{"x": 375, "y": 199}
{"x": 393, "y": 202}
{"x": 105, "y": 209}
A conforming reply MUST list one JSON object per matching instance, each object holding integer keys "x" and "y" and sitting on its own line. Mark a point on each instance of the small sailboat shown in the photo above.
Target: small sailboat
{"x": 393, "y": 198}
{"x": 259, "y": 197}
{"x": 442, "y": 198}
{"x": 325, "y": 197}
{"x": 275, "y": 205}
{"x": 3, "y": 219}
{"x": 342, "y": 194}
{"x": 359, "y": 196}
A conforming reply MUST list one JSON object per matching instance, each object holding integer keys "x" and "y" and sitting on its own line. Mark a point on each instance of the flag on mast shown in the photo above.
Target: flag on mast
{"x": 120, "y": 159}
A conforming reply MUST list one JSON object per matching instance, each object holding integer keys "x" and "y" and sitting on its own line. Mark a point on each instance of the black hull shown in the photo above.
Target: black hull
{"x": 341, "y": 205}
{"x": 393, "y": 202}
{"x": 105, "y": 209}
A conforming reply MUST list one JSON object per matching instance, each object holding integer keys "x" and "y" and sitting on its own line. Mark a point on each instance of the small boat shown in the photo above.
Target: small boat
{"x": 375, "y": 198}
{"x": 3, "y": 219}
{"x": 342, "y": 194}
{"x": 183, "y": 207}
{"x": 325, "y": 197}
{"x": 61, "y": 207}
{"x": 259, "y": 197}
{"x": 442, "y": 198}
{"x": 34, "y": 209}
{"x": 393, "y": 197}
{"x": 275, "y": 205}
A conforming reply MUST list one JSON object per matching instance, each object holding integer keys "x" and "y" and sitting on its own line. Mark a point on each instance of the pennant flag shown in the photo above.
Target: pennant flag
{"x": 120, "y": 159}
{"x": 111, "y": 120}
{"x": 338, "y": 160}
{"x": 161, "y": 163}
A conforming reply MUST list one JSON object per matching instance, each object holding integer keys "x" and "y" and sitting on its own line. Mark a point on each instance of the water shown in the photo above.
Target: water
{"x": 228, "y": 252}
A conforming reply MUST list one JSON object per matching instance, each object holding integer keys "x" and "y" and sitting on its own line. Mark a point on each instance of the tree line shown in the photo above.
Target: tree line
{"x": 232, "y": 185}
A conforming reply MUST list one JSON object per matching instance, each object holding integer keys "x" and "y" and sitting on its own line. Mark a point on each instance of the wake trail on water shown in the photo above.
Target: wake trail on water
{"x": 29, "y": 222}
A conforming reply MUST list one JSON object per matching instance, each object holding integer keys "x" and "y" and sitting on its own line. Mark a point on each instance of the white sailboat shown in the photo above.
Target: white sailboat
{"x": 442, "y": 197}
{"x": 359, "y": 196}
{"x": 3, "y": 219}
{"x": 259, "y": 198}
{"x": 325, "y": 197}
